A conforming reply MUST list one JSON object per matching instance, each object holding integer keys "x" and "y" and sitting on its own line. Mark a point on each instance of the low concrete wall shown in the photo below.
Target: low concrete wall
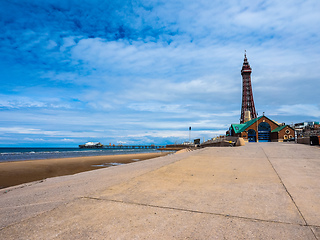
{"x": 303, "y": 140}
{"x": 240, "y": 142}
{"x": 224, "y": 142}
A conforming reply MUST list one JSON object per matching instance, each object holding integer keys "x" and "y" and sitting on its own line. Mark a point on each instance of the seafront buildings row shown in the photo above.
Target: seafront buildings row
{"x": 259, "y": 129}
{"x": 263, "y": 129}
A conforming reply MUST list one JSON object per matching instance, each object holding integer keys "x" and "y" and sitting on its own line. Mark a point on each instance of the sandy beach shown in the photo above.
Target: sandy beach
{"x": 14, "y": 173}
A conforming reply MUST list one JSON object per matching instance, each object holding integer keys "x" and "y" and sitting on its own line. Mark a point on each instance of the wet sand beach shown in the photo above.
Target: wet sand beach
{"x": 14, "y": 173}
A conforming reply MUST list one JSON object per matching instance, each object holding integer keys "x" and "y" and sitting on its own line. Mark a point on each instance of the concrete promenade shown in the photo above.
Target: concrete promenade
{"x": 258, "y": 191}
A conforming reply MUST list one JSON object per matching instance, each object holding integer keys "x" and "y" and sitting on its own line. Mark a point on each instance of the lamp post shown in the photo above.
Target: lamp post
{"x": 189, "y": 134}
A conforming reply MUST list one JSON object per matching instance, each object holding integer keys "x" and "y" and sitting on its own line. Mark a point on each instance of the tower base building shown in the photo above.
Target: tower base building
{"x": 262, "y": 129}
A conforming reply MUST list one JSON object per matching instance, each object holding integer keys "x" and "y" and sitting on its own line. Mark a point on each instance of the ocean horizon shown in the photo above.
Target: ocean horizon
{"x": 11, "y": 154}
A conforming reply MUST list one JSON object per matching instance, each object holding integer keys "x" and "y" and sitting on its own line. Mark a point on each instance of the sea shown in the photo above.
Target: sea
{"x": 22, "y": 154}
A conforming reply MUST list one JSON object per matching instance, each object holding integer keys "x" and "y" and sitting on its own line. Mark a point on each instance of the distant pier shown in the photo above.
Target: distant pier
{"x": 134, "y": 146}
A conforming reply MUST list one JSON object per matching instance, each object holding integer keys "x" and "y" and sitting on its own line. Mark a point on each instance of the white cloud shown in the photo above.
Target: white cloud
{"x": 34, "y": 139}
{"x": 22, "y": 130}
{"x": 9, "y": 101}
{"x": 51, "y": 44}
{"x": 19, "y": 104}
{"x": 67, "y": 43}
{"x": 156, "y": 107}
{"x": 61, "y": 76}
{"x": 307, "y": 110}
{"x": 69, "y": 140}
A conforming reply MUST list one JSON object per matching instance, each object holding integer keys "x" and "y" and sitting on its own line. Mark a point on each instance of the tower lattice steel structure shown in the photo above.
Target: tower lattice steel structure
{"x": 247, "y": 95}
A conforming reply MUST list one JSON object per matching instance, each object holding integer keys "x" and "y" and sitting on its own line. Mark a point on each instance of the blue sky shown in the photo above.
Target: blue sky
{"x": 144, "y": 71}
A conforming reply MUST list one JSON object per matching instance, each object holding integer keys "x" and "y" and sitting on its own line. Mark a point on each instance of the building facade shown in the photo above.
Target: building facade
{"x": 262, "y": 129}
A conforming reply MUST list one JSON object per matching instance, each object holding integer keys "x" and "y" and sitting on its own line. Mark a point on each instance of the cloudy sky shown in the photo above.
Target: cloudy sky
{"x": 143, "y": 71}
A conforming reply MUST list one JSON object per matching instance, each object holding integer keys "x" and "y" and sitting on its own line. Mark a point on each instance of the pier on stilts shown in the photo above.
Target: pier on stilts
{"x": 134, "y": 146}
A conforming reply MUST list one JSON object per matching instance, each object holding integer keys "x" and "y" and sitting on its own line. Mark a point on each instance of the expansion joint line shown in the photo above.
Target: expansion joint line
{"x": 189, "y": 210}
{"x": 284, "y": 186}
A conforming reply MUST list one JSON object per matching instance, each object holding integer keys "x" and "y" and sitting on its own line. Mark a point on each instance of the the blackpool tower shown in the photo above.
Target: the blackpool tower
{"x": 248, "y": 110}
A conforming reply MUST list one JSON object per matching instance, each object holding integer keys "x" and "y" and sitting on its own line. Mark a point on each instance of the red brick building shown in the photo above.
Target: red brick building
{"x": 262, "y": 128}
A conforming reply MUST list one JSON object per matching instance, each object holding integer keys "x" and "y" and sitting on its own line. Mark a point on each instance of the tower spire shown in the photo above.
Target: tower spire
{"x": 247, "y": 95}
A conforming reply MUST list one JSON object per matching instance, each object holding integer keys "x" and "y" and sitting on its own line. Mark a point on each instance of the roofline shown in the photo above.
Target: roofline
{"x": 282, "y": 127}
{"x": 253, "y": 122}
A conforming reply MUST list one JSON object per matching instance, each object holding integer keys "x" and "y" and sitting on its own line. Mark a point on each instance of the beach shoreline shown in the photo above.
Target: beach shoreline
{"x": 19, "y": 172}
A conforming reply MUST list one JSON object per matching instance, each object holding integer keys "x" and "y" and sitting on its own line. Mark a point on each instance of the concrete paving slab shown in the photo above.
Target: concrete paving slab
{"x": 98, "y": 219}
{"x": 246, "y": 187}
{"x": 302, "y": 179}
{"x": 299, "y": 171}
{"x": 290, "y": 150}
{"x": 316, "y": 231}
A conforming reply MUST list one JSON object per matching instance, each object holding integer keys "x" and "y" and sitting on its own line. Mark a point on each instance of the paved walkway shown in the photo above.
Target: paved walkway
{"x": 259, "y": 191}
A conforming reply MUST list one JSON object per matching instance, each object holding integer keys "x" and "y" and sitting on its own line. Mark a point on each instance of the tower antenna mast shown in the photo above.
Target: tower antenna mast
{"x": 247, "y": 94}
